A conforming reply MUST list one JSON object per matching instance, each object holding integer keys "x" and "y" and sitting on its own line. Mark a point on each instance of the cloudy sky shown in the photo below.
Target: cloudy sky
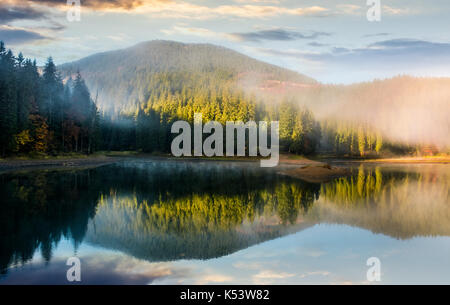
{"x": 330, "y": 40}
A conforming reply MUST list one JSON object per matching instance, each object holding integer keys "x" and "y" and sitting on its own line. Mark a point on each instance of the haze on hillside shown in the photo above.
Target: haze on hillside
{"x": 404, "y": 109}
{"x": 123, "y": 77}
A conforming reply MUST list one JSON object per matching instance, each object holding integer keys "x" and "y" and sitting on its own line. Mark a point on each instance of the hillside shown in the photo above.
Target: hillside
{"x": 175, "y": 79}
{"x": 404, "y": 109}
{"x": 124, "y": 77}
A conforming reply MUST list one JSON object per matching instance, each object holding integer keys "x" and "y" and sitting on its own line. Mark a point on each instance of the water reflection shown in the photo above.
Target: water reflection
{"x": 161, "y": 211}
{"x": 198, "y": 212}
{"x": 39, "y": 209}
{"x": 401, "y": 202}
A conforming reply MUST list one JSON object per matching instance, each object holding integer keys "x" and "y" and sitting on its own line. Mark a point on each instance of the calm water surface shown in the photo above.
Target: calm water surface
{"x": 176, "y": 222}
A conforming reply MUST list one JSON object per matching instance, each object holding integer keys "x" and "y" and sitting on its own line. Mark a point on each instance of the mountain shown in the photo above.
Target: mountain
{"x": 126, "y": 77}
{"x": 176, "y": 79}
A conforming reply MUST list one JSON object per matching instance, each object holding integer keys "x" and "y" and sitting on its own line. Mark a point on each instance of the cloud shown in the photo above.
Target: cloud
{"x": 213, "y": 279}
{"x": 257, "y": 11}
{"x": 257, "y": 36}
{"x": 178, "y": 29}
{"x": 9, "y": 13}
{"x": 101, "y": 4}
{"x": 396, "y": 11}
{"x": 349, "y": 9}
{"x": 410, "y": 44}
{"x": 314, "y": 273}
{"x": 110, "y": 269}
{"x": 257, "y": 1}
{"x": 14, "y": 36}
{"x": 382, "y": 59}
{"x": 386, "y": 50}
{"x": 268, "y": 274}
{"x": 338, "y": 50}
{"x": 269, "y": 277}
{"x": 185, "y": 9}
{"x": 357, "y": 10}
{"x": 317, "y": 44}
{"x": 275, "y": 34}
{"x": 376, "y": 35}
{"x": 286, "y": 53}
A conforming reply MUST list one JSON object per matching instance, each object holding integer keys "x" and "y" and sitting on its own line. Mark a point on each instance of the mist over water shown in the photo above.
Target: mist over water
{"x": 404, "y": 110}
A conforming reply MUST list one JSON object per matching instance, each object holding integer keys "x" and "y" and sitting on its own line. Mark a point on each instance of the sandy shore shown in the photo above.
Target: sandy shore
{"x": 311, "y": 170}
{"x": 316, "y": 173}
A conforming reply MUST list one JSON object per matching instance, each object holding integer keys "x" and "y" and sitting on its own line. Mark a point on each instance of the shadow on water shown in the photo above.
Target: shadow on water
{"x": 162, "y": 211}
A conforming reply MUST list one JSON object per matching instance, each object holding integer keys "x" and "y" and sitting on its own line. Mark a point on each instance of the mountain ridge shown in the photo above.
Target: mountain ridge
{"x": 123, "y": 76}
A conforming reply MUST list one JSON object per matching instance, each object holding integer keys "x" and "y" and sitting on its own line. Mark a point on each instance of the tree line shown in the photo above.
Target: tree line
{"x": 41, "y": 114}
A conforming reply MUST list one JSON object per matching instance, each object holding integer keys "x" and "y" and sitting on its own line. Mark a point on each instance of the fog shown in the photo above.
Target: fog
{"x": 404, "y": 109}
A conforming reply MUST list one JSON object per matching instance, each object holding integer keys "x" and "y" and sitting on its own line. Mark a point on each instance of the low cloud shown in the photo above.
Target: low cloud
{"x": 376, "y": 35}
{"x": 257, "y": 36}
{"x": 275, "y": 35}
{"x": 317, "y": 44}
{"x": 193, "y": 31}
{"x": 411, "y": 44}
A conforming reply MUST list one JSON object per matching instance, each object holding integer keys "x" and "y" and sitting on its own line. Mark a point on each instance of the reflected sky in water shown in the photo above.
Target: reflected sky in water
{"x": 224, "y": 223}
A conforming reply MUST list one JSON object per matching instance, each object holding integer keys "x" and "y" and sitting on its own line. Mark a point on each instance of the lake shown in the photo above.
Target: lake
{"x": 207, "y": 222}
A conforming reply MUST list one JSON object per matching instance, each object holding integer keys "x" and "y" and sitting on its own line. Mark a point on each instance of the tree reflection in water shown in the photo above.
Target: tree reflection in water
{"x": 170, "y": 210}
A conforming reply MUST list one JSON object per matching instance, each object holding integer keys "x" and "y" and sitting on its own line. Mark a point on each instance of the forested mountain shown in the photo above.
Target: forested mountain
{"x": 48, "y": 112}
{"x": 154, "y": 83}
{"x": 124, "y": 78}
{"x": 142, "y": 90}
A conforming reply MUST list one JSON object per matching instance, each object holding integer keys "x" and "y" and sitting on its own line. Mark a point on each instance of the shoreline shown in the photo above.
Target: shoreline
{"x": 312, "y": 171}
{"x": 68, "y": 163}
{"x": 411, "y": 160}
{"x": 299, "y": 167}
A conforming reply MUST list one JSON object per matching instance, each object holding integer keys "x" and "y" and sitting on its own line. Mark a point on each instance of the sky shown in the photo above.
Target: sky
{"x": 332, "y": 41}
